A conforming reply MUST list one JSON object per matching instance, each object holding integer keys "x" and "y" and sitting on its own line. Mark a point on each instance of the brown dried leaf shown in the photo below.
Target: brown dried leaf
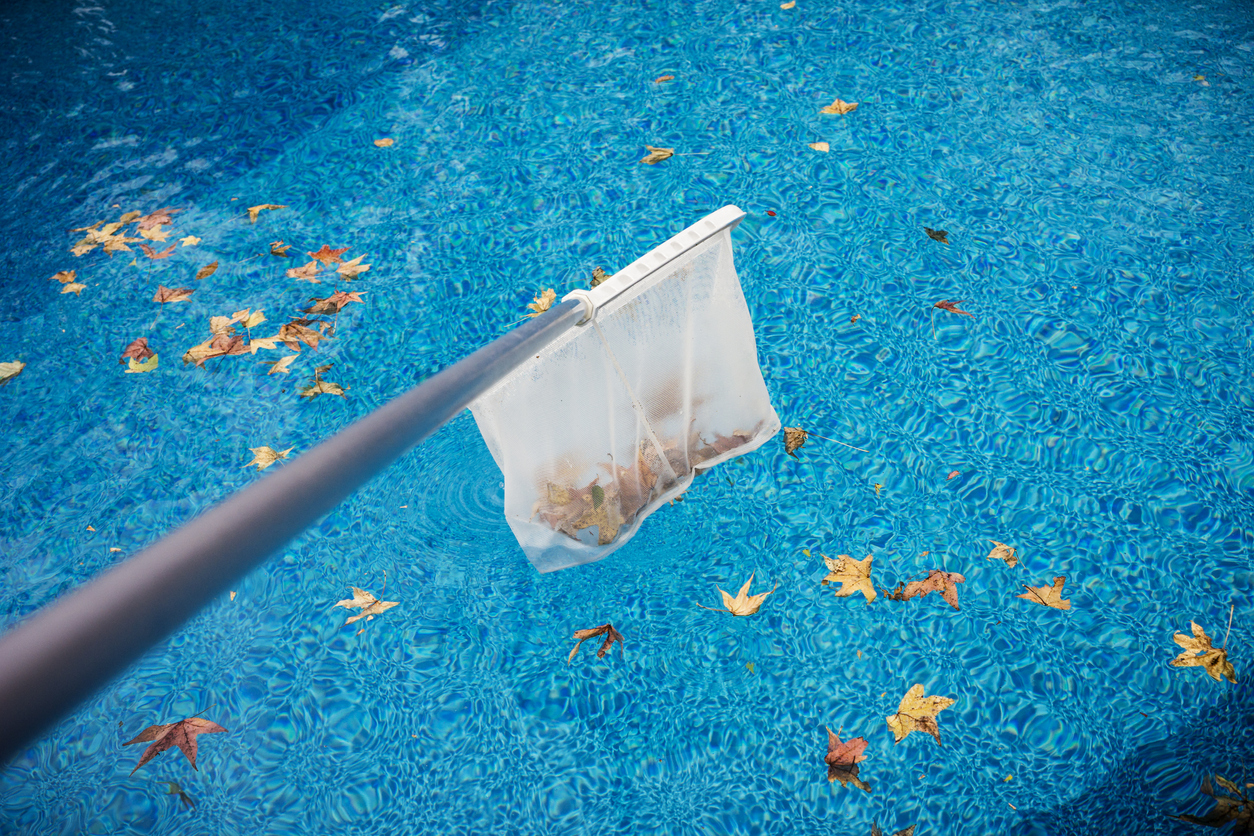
{"x": 177, "y": 294}
{"x": 1050, "y": 596}
{"x": 840, "y": 107}
{"x": 254, "y": 211}
{"x": 917, "y": 713}
{"x": 842, "y": 760}
{"x": 656, "y": 155}
{"x": 206, "y": 271}
{"x": 607, "y": 630}
{"x": 1199, "y": 652}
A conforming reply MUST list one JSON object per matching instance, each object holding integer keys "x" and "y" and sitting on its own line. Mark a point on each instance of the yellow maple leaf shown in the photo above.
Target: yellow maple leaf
{"x": 543, "y": 302}
{"x": 281, "y": 365}
{"x": 263, "y": 457}
{"x": 189, "y": 241}
{"x": 1003, "y": 552}
{"x": 917, "y": 713}
{"x": 853, "y": 576}
{"x": 65, "y": 276}
{"x": 1050, "y": 596}
{"x": 134, "y": 366}
{"x": 743, "y": 603}
{"x": 840, "y": 107}
{"x": 1213, "y": 660}
{"x": 75, "y": 288}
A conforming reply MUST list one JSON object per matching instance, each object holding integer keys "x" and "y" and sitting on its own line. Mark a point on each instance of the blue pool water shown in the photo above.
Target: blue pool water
{"x": 1097, "y": 406}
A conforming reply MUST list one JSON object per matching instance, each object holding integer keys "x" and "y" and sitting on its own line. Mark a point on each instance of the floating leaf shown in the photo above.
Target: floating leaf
{"x": 1213, "y": 660}
{"x": 1233, "y": 806}
{"x": 543, "y": 302}
{"x": 293, "y": 333}
{"x": 263, "y": 457}
{"x": 607, "y": 630}
{"x": 328, "y": 256}
{"x": 662, "y": 78}
{"x": 917, "y": 713}
{"x": 656, "y": 155}
{"x": 189, "y": 241}
{"x": 953, "y": 474}
{"x": 788, "y": 5}
{"x": 383, "y": 143}
{"x": 151, "y": 253}
{"x": 598, "y": 276}
{"x": 207, "y": 271}
{"x": 136, "y": 350}
{"x": 1003, "y": 552}
{"x": 160, "y": 217}
{"x": 369, "y": 605}
{"x": 74, "y": 287}
{"x": 254, "y": 211}
{"x": 134, "y": 366}
{"x": 946, "y": 583}
{"x": 743, "y": 603}
{"x": 353, "y": 269}
{"x": 65, "y": 276}
{"x": 840, "y": 107}
{"x": 155, "y": 233}
{"x": 321, "y": 387}
{"x": 332, "y": 304}
{"x": 794, "y": 440}
{"x": 909, "y": 831}
{"x": 166, "y": 294}
{"x": 952, "y": 307}
{"x": 181, "y": 734}
{"x": 821, "y": 146}
{"x": 937, "y": 235}
{"x": 843, "y": 758}
{"x": 280, "y": 249}
{"x": 10, "y": 370}
{"x": 281, "y": 366}
{"x": 1050, "y": 596}
{"x": 305, "y": 272}
{"x": 852, "y": 575}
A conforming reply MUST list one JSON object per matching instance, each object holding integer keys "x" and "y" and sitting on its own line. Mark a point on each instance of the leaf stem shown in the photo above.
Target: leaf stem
{"x": 825, "y": 438}
{"x": 1231, "y": 610}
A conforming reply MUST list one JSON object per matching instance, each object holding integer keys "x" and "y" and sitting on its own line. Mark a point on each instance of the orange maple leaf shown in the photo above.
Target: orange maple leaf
{"x": 151, "y": 253}
{"x": 326, "y": 255}
{"x": 181, "y": 734}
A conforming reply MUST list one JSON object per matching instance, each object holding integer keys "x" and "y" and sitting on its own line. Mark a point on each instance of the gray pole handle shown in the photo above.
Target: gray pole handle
{"x": 66, "y": 651}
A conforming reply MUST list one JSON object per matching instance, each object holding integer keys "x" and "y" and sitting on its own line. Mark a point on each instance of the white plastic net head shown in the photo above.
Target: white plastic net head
{"x": 613, "y": 419}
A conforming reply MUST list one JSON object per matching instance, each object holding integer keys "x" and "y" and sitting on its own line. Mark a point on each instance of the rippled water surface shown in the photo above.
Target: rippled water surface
{"x": 1090, "y": 164}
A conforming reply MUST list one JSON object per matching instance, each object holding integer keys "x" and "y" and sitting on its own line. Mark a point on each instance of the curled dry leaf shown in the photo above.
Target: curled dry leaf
{"x": 136, "y": 350}
{"x": 917, "y": 713}
{"x": 607, "y": 630}
{"x": 662, "y": 78}
{"x": 1003, "y": 552}
{"x": 384, "y": 142}
{"x": 263, "y": 457}
{"x": 656, "y": 155}
{"x": 280, "y": 249}
{"x": 843, "y": 758}
{"x": 1234, "y": 805}
{"x": 937, "y": 235}
{"x": 10, "y": 370}
{"x": 181, "y": 734}
{"x": 952, "y": 307}
{"x": 794, "y": 440}
{"x": 852, "y": 575}
{"x": 207, "y": 271}
{"x": 909, "y": 831}
{"x": 946, "y": 583}
{"x": 369, "y": 605}
{"x": 743, "y": 603}
{"x": 840, "y": 107}
{"x": 296, "y": 332}
{"x": 65, "y": 276}
{"x": 598, "y": 276}
{"x": 354, "y": 268}
{"x": 821, "y": 146}
{"x": 543, "y": 302}
{"x": 305, "y": 272}
{"x": 1050, "y": 596}
{"x": 254, "y": 211}
{"x": 176, "y": 294}
{"x": 1199, "y": 652}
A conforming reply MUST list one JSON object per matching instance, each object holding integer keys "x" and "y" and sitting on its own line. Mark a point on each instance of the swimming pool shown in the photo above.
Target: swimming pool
{"x": 1095, "y": 406}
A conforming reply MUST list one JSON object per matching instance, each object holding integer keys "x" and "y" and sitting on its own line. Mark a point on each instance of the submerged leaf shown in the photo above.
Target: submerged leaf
{"x": 843, "y": 758}
{"x": 175, "y": 789}
{"x": 369, "y": 605}
{"x": 134, "y": 366}
{"x": 937, "y": 235}
{"x": 151, "y": 253}
{"x": 354, "y": 268}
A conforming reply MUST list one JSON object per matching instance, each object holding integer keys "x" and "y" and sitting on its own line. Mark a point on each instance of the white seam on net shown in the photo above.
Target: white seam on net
{"x": 635, "y": 404}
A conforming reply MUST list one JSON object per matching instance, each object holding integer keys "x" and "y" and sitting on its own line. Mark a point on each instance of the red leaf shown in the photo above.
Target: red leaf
{"x": 953, "y": 474}
{"x": 769, "y": 212}
{"x": 181, "y": 734}
{"x": 326, "y": 255}
{"x": 952, "y": 307}
{"x": 137, "y": 350}
{"x": 151, "y": 253}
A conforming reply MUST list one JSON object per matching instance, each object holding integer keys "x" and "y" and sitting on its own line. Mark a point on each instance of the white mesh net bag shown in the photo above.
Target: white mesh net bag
{"x": 616, "y": 416}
